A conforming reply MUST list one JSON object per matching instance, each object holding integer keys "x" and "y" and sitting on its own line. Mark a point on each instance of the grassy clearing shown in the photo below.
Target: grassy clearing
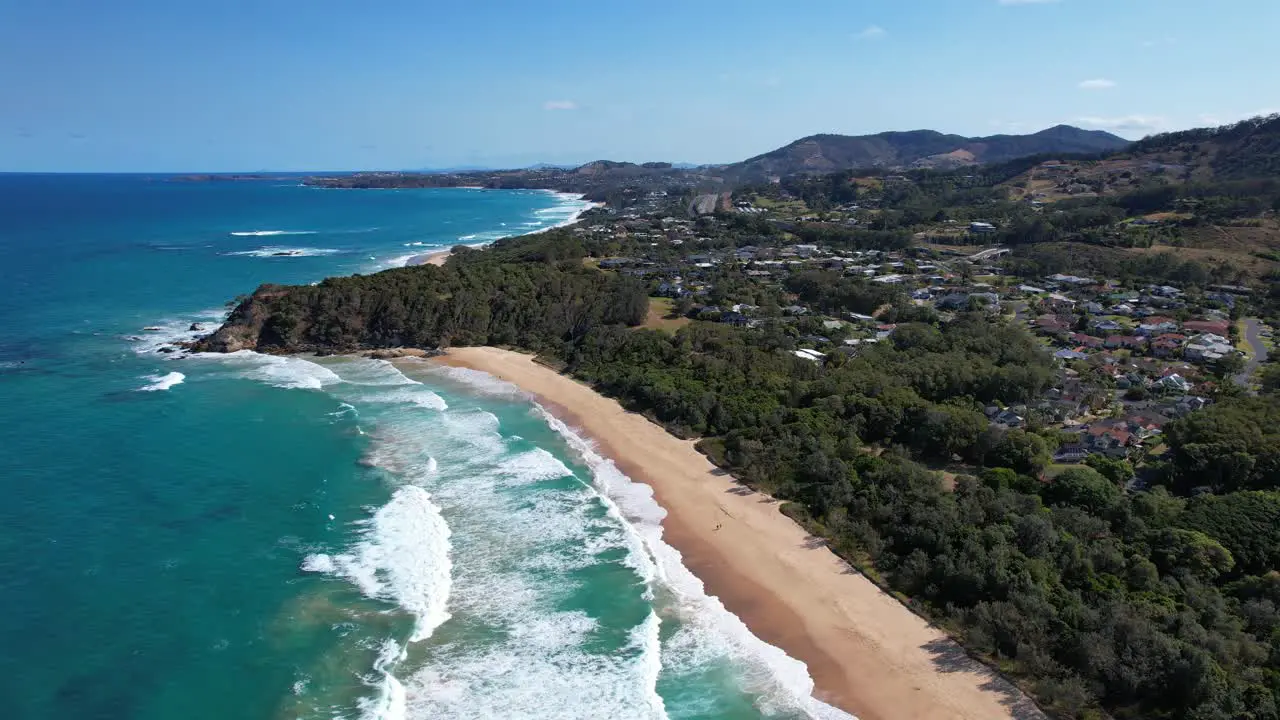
{"x": 1242, "y": 341}
{"x": 656, "y": 319}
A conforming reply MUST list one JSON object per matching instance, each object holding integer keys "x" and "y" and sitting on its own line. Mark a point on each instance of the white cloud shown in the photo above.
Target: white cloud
{"x": 871, "y": 32}
{"x": 559, "y": 105}
{"x": 1126, "y": 123}
{"x": 1097, "y": 84}
{"x": 1027, "y": 2}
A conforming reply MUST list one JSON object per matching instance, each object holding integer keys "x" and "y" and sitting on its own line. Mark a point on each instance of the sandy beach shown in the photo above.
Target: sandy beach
{"x": 867, "y": 653}
{"x": 433, "y": 258}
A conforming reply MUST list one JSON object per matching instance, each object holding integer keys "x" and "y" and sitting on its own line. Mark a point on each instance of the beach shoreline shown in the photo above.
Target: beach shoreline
{"x": 866, "y": 653}
{"x": 439, "y": 257}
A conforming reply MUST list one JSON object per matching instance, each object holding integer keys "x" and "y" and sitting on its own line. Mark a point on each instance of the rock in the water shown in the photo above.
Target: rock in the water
{"x": 196, "y": 327}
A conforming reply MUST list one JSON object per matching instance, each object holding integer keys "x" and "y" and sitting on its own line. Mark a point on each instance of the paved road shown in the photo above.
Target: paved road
{"x": 1258, "y": 351}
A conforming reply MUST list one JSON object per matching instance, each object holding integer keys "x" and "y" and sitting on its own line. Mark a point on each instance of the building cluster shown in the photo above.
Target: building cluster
{"x": 1130, "y": 360}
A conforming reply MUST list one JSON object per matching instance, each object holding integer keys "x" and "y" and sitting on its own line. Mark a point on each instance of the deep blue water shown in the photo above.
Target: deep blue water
{"x": 253, "y": 537}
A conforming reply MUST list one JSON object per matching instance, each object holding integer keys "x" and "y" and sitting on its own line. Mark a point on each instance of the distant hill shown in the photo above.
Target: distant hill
{"x": 916, "y": 149}
{"x": 1247, "y": 150}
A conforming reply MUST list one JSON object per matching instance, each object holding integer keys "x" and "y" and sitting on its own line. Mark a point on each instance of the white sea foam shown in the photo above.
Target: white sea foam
{"x": 163, "y": 382}
{"x": 707, "y": 630}
{"x": 318, "y": 563}
{"x": 514, "y": 549}
{"x": 480, "y": 382}
{"x": 176, "y": 330}
{"x": 271, "y": 233}
{"x": 508, "y": 565}
{"x": 276, "y": 251}
{"x": 376, "y": 373}
{"x": 389, "y": 703}
{"x": 403, "y": 558}
{"x": 413, "y": 396}
{"x": 283, "y": 372}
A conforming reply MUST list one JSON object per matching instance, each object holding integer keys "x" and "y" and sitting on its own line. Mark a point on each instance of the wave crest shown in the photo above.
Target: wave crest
{"x": 271, "y": 233}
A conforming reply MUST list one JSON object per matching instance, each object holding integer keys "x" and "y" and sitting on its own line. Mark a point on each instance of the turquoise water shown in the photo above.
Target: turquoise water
{"x": 257, "y": 537}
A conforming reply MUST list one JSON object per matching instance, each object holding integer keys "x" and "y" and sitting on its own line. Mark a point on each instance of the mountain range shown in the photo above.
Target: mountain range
{"x": 916, "y": 149}
{"x": 604, "y": 179}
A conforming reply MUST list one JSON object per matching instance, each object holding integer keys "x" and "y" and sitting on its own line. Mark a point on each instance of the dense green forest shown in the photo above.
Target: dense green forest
{"x": 1163, "y": 603}
{"x": 527, "y": 294}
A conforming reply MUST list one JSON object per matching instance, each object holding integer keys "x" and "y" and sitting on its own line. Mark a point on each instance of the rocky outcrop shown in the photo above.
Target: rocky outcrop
{"x": 243, "y": 329}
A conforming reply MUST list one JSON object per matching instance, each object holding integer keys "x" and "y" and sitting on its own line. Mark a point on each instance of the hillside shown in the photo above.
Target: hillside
{"x": 916, "y": 148}
{"x": 1244, "y": 151}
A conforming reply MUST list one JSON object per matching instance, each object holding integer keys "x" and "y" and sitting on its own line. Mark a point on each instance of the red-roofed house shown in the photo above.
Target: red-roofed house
{"x": 1088, "y": 341}
{"x": 1108, "y": 439}
{"x": 1132, "y": 342}
{"x": 1167, "y": 344}
{"x": 1217, "y": 327}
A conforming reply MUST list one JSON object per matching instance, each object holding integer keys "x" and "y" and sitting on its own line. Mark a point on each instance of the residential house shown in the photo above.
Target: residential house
{"x": 1056, "y": 302}
{"x": 1008, "y": 418}
{"x": 1109, "y": 438}
{"x": 1130, "y": 342}
{"x": 1105, "y": 325}
{"x": 1208, "y": 347}
{"x": 811, "y": 355}
{"x": 1224, "y": 298}
{"x": 1215, "y": 327}
{"x": 1053, "y": 324}
{"x": 1157, "y": 326}
{"x": 1174, "y": 383}
{"x": 1089, "y": 341}
{"x": 1167, "y": 345}
{"x": 1071, "y": 453}
{"x": 1072, "y": 279}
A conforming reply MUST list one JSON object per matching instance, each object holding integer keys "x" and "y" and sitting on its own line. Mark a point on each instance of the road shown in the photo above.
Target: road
{"x": 1257, "y": 351}
{"x": 988, "y": 254}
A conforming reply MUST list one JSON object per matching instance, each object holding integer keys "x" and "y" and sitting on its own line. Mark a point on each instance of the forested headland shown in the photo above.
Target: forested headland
{"x": 1100, "y": 601}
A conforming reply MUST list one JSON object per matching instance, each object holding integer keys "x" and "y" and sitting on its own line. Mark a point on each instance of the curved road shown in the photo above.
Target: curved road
{"x": 1258, "y": 351}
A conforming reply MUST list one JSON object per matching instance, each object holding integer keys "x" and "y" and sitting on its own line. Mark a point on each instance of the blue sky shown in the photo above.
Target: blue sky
{"x": 234, "y": 85}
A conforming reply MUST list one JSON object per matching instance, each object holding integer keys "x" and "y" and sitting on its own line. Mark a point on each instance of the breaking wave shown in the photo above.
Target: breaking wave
{"x": 271, "y": 233}
{"x": 275, "y": 251}
{"x": 163, "y": 382}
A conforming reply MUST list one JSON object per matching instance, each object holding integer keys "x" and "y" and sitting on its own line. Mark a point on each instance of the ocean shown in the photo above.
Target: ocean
{"x": 244, "y": 536}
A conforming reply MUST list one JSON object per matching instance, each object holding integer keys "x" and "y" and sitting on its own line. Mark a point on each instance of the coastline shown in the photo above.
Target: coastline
{"x": 867, "y": 653}
{"x": 439, "y": 257}
{"x": 432, "y": 258}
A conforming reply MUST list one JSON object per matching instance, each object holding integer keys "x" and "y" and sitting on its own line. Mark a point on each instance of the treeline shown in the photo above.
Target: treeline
{"x": 534, "y": 294}
{"x": 926, "y": 390}
{"x": 1035, "y": 261}
{"x": 1249, "y": 148}
{"x": 1142, "y": 605}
